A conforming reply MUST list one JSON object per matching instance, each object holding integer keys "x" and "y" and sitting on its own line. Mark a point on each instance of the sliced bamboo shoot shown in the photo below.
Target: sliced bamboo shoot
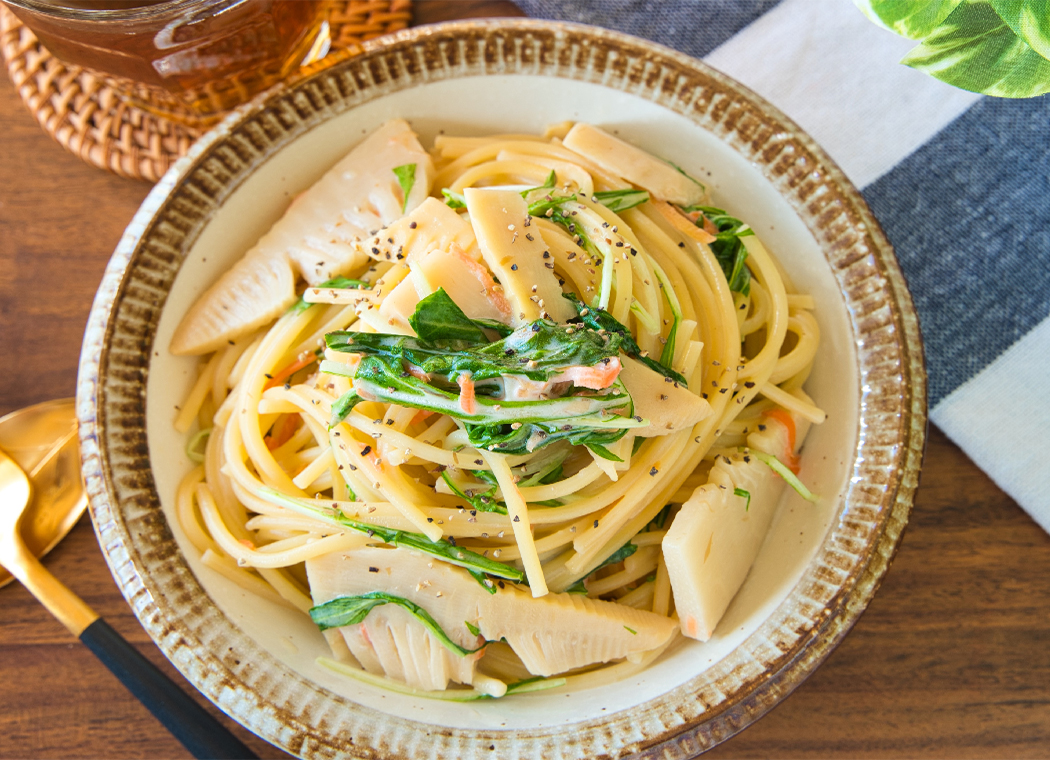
{"x": 516, "y": 254}
{"x": 668, "y": 406}
{"x": 314, "y": 239}
{"x": 620, "y": 158}
{"x": 553, "y": 634}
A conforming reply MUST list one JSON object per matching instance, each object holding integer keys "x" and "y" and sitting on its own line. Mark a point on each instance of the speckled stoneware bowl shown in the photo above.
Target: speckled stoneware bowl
{"x": 817, "y": 570}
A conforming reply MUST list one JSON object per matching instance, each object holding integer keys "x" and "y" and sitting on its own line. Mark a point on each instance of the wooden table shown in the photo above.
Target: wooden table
{"x": 952, "y": 659}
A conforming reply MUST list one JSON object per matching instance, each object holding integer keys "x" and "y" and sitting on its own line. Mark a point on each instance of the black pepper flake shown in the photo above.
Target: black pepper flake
{"x": 749, "y": 384}
{"x": 548, "y": 265}
{"x": 528, "y": 222}
{"x": 268, "y": 375}
{"x": 634, "y": 252}
{"x": 668, "y": 380}
{"x": 370, "y": 532}
{"x": 595, "y": 523}
{"x": 761, "y": 427}
{"x": 546, "y": 254}
{"x": 514, "y": 267}
{"x": 747, "y": 459}
{"x": 722, "y": 390}
{"x": 663, "y": 397}
{"x": 517, "y": 519}
{"x": 681, "y": 244}
{"x": 287, "y": 386}
{"x": 653, "y": 471}
{"x": 529, "y": 237}
{"x": 535, "y": 327}
{"x": 375, "y": 250}
{"x": 389, "y": 421}
{"x": 430, "y": 519}
{"x": 479, "y": 461}
{"x": 619, "y": 244}
{"x": 373, "y": 569}
{"x": 501, "y": 584}
{"x": 412, "y": 225}
{"x": 704, "y": 395}
{"x": 366, "y": 451}
{"x": 452, "y": 540}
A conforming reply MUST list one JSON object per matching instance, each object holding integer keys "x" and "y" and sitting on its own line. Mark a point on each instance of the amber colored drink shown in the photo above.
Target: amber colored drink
{"x": 189, "y": 60}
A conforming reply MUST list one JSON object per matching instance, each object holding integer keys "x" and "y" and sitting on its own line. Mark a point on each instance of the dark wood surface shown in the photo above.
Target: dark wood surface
{"x": 952, "y": 659}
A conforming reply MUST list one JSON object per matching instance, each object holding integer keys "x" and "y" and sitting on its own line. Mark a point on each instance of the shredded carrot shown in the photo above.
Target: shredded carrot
{"x": 466, "y": 392}
{"x": 785, "y": 419}
{"x": 421, "y": 415}
{"x": 681, "y": 223}
{"x": 301, "y": 363}
{"x": 282, "y": 431}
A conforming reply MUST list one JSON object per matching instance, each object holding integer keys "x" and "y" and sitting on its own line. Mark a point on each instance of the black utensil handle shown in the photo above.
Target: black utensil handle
{"x": 188, "y": 722}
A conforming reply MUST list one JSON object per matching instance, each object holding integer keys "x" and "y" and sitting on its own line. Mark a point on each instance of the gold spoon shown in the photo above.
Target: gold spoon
{"x": 44, "y": 438}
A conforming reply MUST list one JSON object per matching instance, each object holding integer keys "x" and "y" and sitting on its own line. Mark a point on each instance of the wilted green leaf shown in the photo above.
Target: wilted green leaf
{"x": 1029, "y": 20}
{"x": 913, "y": 19}
{"x": 975, "y": 50}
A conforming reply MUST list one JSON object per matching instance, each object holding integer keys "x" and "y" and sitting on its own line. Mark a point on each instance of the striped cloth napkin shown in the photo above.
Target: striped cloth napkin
{"x": 960, "y": 183}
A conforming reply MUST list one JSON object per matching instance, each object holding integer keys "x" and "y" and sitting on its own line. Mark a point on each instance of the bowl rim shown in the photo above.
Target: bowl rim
{"x": 111, "y": 400}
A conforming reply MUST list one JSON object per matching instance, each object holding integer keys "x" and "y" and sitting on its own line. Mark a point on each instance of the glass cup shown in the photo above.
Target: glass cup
{"x": 186, "y": 60}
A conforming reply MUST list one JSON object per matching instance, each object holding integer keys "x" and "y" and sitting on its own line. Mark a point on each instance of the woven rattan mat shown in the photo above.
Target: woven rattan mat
{"x": 87, "y": 117}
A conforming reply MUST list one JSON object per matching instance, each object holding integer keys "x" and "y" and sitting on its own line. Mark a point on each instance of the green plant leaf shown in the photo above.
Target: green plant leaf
{"x": 975, "y": 50}
{"x": 1029, "y": 20}
{"x": 913, "y": 19}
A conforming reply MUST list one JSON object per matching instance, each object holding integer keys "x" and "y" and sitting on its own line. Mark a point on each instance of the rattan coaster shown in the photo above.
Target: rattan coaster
{"x": 87, "y": 117}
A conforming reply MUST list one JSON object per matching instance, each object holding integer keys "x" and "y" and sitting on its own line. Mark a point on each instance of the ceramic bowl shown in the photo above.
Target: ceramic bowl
{"x": 820, "y": 564}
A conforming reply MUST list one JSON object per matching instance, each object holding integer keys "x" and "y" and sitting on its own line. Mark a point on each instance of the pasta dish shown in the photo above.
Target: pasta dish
{"x": 504, "y": 415}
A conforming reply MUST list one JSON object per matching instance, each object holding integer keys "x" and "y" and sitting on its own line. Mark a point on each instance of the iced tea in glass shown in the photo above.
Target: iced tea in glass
{"x": 187, "y": 60}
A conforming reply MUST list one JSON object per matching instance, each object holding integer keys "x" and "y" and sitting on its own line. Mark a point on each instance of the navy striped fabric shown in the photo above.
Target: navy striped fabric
{"x": 969, "y": 217}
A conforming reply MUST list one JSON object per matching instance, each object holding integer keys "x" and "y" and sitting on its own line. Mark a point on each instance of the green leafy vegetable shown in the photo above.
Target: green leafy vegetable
{"x": 619, "y": 555}
{"x": 441, "y": 549}
{"x": 424, "y": 372}
{"x": 994, "y": 47}
{"x": 667, "y": 355}
{"x": 406, "y": 177}
{"x": 343, "y": 406}
{"x": 601, "y": 320}
{"x": 743, "y": 494}
{"x": 728, "y": 248}
{"x": 350, "y": 610}
{"x": 197, "y": 444}
{"x": 438, "y": 320}
{"x": 483, "y": 502}
{"x": 474, "y": 630}
{"x": 548, "y": 184}
{"x": 621, "y": 200}
{"x": 453, "y": 199}
{"x": 603, "y": 452}
{"x": 336, "y": 283}
{"x": 782, "y": 470}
